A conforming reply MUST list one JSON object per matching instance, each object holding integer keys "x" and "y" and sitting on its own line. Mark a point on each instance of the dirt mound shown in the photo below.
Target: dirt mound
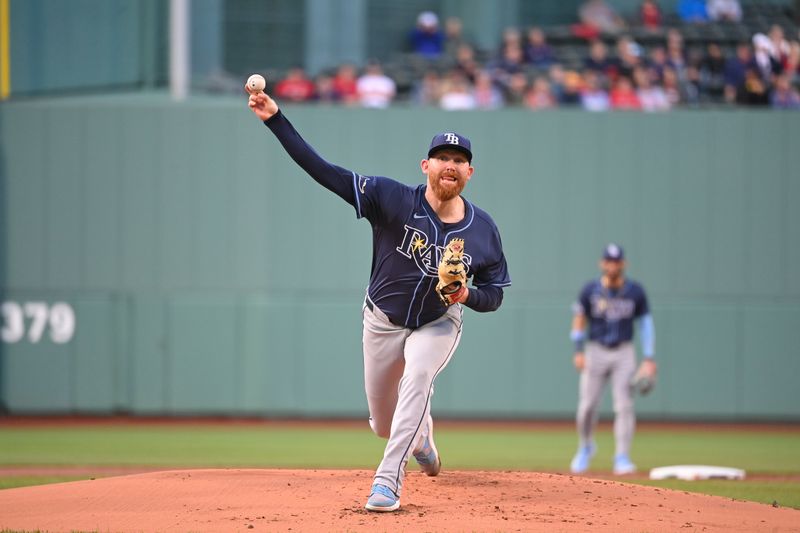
{"x": 332, "y": 500}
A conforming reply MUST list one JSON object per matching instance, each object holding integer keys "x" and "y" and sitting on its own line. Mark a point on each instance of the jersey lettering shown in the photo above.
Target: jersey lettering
{"x": 417, "y": 247}
{"x": 612, "y": 308}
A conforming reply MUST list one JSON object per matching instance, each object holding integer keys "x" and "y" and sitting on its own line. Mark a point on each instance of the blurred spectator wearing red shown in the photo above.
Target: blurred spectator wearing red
{"x": 650, "y": 15}
{"x": 623, "y": 96}
{"x": 344, "y": 82}
{"x": 296, "y": 87}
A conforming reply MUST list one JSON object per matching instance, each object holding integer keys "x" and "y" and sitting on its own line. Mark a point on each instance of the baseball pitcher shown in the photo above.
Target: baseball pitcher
{"x": 427, "y": 242}
{"x": 610, "y": 305}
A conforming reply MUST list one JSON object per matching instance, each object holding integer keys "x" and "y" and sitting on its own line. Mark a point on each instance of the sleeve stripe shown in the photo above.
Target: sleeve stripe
{"x": 355, "y": 193}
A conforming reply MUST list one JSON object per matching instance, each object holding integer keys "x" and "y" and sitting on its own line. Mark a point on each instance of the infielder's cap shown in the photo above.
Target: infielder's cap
{"x": 613, "y": 252}
{"x": 452, "y": 140}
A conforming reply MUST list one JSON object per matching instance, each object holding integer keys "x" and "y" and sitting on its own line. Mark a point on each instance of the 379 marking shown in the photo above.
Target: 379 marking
{"x": 32, "y": 319}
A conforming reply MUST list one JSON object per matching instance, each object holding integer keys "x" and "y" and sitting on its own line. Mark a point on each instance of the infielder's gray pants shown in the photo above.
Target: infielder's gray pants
{"x": 400, "y": 365}
{"x": 603, "y": 365}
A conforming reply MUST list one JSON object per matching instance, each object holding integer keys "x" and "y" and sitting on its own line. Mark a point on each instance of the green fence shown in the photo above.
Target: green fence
{"x": 171, "y": 259}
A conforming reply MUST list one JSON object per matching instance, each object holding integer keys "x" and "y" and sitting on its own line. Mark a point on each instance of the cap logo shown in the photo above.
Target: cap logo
{"x": 451, "y": 138}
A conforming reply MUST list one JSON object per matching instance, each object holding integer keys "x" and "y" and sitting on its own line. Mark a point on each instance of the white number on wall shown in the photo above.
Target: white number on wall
{"x": 36, "y": 318}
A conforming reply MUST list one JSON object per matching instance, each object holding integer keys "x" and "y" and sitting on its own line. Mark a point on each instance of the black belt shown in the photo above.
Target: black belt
{"x": 370, "y": 305}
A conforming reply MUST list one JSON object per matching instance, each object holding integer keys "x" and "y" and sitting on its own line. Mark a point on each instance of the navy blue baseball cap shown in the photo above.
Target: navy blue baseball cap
{"x": 452, "y": 140}
{"x": 613, "y": 252}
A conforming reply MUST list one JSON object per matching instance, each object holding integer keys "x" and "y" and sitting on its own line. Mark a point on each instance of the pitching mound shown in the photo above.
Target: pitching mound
{"x": 332, "y": 500}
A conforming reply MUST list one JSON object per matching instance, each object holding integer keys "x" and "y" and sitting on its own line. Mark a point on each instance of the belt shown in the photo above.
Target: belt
{"x": 370, "y": 305}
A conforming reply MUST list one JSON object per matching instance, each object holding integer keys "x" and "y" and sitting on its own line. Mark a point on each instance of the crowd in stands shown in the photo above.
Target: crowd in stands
{"x": 616, "y": 71}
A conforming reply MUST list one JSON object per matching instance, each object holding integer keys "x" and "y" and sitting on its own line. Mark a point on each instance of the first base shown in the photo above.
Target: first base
{"x": 695, "y": 472}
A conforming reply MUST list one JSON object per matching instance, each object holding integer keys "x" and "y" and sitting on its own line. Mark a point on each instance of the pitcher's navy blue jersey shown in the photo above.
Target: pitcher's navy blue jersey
{"x": 408, "y": 237}
{"x": 611, "y": 312}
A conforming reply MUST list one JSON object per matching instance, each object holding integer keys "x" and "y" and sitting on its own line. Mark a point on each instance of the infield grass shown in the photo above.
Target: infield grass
{"x": 770, "y": 457}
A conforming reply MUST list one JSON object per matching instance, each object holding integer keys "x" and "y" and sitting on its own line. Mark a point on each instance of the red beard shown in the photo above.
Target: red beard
{"x": 445, "y": 192}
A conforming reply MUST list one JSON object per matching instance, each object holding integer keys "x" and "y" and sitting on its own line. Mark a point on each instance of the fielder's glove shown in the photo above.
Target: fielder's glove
{"x": 452, "y": 273}
{"x": 643, "y": 382}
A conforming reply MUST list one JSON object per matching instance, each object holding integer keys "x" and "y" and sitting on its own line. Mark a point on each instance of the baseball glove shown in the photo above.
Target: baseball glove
{"x": 643, "y": 382}
{"x": 452, "y": 273}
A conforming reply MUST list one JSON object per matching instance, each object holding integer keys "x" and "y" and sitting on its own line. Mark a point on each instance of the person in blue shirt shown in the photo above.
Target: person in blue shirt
{"x": 409, "y": 334}
{"x": 604, "y": 354}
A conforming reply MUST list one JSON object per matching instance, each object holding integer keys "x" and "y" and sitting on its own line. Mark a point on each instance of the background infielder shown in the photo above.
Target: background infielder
{"x": 610, "y": 305}
{"x": 409, "y": 333}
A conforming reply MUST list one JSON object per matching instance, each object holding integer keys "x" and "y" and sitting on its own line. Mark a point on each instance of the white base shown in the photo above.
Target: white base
{"x": 695, "y": 472}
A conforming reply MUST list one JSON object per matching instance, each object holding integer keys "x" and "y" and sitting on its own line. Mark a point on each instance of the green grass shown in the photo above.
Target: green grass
{"x": 760, "y": 453}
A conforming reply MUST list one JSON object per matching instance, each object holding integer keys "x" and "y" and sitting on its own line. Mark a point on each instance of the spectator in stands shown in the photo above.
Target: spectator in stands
{"x": 453, "y": 37}
{"x": 784, "y": 96}
{"x": 793, "y": 61}
{"x": 650, "y": 15}
{"x": 540, "y": 96}
{"x": 623, "y": 96}
{"x": 628, "y": 56}
{"x": 487, "y": 95}
{"x": 693, "y": 11}
{"x": 754, "y": 91}
{"x": 512, "y": 62}
{"x": 295, "y": 87}
{"x": 456, "y": 93}
{"x": 514, "y": 91}
{"x": 651, "y": 97}
{"x": 599, "y": 16}
{"x": 735, "y": 69}
{"x": 324, "y": 90}
{"x": 556, "y": 75}
{"x": 712, "y": 72}
{"x": 427, "y": 91}
{"x": 677, "y": 60}
{"x": 427, "y": 39}
{"x": 658, "y": 62}
{"x": 537, "y": 52}
{"x": 344, "y": 82}
{"x": 672, "y": 88}
{"x": 724, "y": 10}
{"x": 771, "y": 52}
{"x": 593, "y": 96}
{"x": 571, "y": 91}
{"x": 598, "y": 60}
{"x": 375, "y": 89}
{"x": 466, "y": 62}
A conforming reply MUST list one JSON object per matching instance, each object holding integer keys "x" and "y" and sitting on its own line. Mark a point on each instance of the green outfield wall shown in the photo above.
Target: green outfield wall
{"x": 171, "y": 259}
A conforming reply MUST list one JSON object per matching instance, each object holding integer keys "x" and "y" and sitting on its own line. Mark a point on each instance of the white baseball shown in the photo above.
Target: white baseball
{"x": 256, "y": 82}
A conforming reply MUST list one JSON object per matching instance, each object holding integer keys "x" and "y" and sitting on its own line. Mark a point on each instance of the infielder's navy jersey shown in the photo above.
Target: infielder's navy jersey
{"x": 611, "y": 312}
{"x": 408, "y": 237}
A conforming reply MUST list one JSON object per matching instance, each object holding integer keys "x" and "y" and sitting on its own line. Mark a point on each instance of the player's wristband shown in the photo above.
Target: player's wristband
{"x": 578, "y": 337}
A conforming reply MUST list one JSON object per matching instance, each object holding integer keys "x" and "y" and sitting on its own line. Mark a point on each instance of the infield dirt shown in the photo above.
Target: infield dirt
{"x": 228, "y": 500}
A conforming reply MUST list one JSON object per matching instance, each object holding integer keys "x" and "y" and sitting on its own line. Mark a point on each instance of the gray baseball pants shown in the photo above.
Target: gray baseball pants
{"x": 618, "y": 366}
{"x": 400, "y": 366}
